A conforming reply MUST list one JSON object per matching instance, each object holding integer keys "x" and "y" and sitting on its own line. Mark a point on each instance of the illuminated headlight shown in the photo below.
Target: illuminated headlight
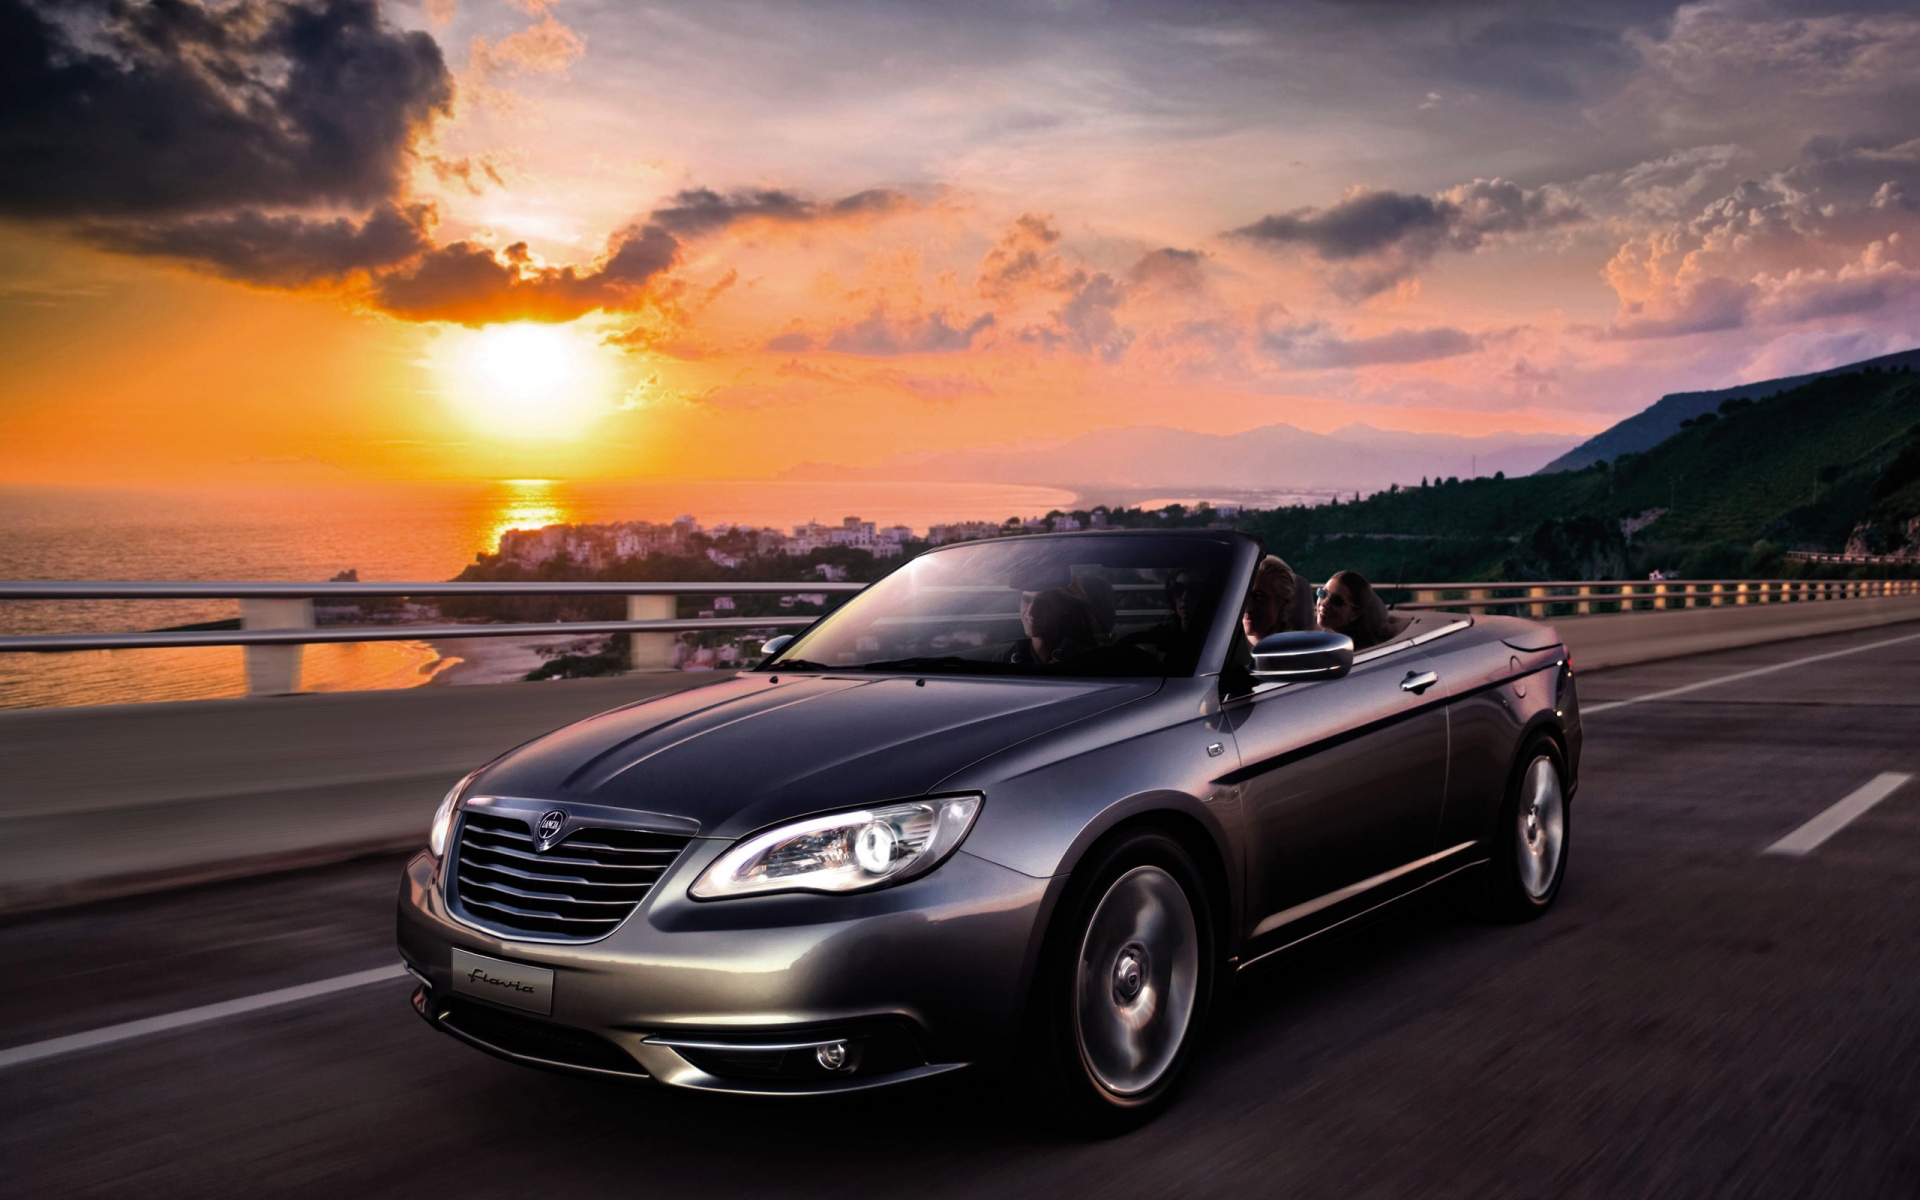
{"x": 443, "y": 818}
{"x": 844, "y": 852}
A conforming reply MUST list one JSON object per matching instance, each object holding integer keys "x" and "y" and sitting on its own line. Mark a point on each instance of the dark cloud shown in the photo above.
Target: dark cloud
{"x": 473, "y": 285}
{"x": 279, "y": 251}
{"x": 185, "y": 108}
{"x": 1364, "y": 223}
{"x": 1382, "y": 237}
{"x": 1317, "y": 346}
{"x": 699, "y": 211}
{"x": 1170, "y": 267}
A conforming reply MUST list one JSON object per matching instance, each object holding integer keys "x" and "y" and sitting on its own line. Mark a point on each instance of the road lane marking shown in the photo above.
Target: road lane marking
{"x": 13, "y": 1056}
{"x": 1735, "y": 678}
{"x": 1809, "y": 836}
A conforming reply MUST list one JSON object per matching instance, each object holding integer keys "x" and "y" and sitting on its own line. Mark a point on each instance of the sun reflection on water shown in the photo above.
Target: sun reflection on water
{"x": 527, "y": 504}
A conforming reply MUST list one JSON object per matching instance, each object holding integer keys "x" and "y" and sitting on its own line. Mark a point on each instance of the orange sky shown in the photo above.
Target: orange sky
{"x": 956, "y": 230}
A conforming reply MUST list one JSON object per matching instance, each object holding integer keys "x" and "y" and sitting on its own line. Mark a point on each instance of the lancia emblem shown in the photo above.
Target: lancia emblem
{"x": 546, "y": 831}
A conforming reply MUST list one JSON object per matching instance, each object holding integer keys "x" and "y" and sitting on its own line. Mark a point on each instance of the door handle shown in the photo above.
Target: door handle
{"x": 1418, "y": 681}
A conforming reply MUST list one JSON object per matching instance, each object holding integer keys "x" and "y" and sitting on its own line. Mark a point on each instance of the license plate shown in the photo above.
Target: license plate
{"x": 516, "y": 985}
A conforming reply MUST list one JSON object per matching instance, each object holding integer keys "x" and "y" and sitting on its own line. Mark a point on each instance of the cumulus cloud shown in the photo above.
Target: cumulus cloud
{"x": 1023, "y": 261}
{"x": 1382, "y": 237}
{"x": 185, "y": 108}
{"x": 546, "y": 47}
{"x": 879, "y": 335}
{"x": 1086, "y": 323}
{"x": 1317, "y": 346}
{"x": 1826, "y": 237}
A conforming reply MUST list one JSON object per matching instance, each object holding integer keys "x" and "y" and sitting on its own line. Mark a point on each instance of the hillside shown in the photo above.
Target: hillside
{"x": 1661, "y": 420}
{"x": 1832, "y": 460}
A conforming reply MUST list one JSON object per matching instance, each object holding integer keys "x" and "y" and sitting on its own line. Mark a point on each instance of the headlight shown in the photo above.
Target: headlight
{"x": 443, "y": 818}
{"x": 844, "y": 852}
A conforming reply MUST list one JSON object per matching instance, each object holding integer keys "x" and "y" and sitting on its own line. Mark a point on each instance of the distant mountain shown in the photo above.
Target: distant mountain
{"x": 1271, "y": 460}
{"x": 1648, "y": 428}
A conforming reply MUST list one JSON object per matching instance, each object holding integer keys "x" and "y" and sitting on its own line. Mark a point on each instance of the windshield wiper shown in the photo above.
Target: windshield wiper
{"x": 944, "y": 662}
{"x": 801, "y": 664}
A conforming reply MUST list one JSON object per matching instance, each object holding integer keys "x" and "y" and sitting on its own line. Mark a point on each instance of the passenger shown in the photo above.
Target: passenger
{"x": 1347, "y": 605}
{"x": 1097, "y": 591}
{"x": 1063, "y": 625}
{"x": 1279, "y": 601}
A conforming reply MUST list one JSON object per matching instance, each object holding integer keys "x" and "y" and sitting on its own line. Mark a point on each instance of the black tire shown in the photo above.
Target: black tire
{"x": 1111, "y": 983}
{"x": 1531, "y": 836}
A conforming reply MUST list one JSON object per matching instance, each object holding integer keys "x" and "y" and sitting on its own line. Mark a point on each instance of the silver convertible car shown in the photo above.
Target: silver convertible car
{"x": 1026, "y": 805}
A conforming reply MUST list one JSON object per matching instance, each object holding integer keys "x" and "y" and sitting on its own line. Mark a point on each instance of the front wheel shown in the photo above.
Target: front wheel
{"x": 1531, "y": 839}
{"x": 1124, "y": 987}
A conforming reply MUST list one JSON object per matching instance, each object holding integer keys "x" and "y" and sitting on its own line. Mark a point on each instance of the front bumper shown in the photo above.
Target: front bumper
{"x": 737, "y": 996}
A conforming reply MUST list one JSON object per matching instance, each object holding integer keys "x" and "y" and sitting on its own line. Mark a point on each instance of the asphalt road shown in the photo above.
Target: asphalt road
{"x": 1695, "y": 1018}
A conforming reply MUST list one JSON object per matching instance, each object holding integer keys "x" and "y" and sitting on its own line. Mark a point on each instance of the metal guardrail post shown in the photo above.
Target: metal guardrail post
{"x": 274, "y": 670}
{"x": 652, "y": 651}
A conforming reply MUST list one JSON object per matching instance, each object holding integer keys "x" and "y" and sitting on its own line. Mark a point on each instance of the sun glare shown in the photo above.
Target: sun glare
{"x": 525, "y": 380}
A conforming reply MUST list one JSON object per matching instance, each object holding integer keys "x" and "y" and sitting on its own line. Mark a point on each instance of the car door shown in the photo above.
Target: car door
{"x": 1341, "y": 783}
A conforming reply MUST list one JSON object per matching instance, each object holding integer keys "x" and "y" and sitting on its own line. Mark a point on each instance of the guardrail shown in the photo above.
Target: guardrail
{"x": 277, "y": 618}
{"x": 1578, "y": 597}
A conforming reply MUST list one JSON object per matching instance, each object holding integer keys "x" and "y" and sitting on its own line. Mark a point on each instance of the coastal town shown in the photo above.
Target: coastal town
{"x": 597, "y": 547}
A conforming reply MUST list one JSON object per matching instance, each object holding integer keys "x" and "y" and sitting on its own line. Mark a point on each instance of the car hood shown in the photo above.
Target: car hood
{"x": 742, "y": 754}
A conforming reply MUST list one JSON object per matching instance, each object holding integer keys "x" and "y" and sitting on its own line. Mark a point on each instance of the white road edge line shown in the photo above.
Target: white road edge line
{"x": 14, "y": 1056}
{"x": 1707, "y": 683}
{"x": 1809, "y": 836}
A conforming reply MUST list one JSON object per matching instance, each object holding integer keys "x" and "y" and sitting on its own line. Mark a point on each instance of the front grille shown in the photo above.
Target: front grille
{"x": 579, "y": 890}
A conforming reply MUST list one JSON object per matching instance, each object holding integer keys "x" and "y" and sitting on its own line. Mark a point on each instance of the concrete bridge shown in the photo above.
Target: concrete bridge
{"x": 116, "y": 800}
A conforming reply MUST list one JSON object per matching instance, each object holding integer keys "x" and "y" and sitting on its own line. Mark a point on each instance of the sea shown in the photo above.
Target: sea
{"x": 383, "y": 531}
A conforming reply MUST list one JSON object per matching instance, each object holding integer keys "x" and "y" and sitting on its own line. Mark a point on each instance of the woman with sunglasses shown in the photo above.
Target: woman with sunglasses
{"x": 1347, "y": 605}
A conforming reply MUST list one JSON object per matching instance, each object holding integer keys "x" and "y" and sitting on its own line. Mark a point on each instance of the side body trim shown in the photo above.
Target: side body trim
{"x": 1289, "y": 915}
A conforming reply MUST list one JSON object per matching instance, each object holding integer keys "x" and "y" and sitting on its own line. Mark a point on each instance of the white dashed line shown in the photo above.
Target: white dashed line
{"x": 1809, "y": 836}
{"x": 1735, "y": 678}
{"x": 13, "y": 1056}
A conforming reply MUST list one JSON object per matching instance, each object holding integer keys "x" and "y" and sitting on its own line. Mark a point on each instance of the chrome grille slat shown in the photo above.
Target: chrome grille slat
{"x": 580, "y": 890}
{"x": 467, "y": 881}
{"x": 565, "y": 860}
{"x": 577, "y": 880}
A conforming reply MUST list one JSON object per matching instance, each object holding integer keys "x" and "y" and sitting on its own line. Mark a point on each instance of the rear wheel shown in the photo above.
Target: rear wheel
{"x": 1531, "y": 838}
{"x": 1124, "y": 987}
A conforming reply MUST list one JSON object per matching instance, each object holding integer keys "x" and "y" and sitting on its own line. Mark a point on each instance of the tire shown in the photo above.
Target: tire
{"x": 1531, "y": 836}
{"x": 1126, "y": 978}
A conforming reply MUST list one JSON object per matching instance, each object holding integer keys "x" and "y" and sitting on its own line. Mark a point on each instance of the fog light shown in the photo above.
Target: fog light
{"x": 832, "y": 1056}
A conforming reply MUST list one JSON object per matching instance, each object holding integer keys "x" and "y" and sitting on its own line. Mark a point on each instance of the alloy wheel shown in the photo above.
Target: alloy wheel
{"x": 1542, "y": 814}
{"x": 1137, "y": 978}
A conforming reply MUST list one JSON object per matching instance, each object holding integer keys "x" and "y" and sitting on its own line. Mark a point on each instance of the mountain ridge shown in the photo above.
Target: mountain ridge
{"x": 1661, "y": 420}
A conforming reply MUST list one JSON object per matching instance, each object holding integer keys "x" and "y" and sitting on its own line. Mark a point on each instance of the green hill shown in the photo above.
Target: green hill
{"x": 1835, "y": 459}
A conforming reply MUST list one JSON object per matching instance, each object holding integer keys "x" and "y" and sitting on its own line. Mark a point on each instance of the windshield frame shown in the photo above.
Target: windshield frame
{"x": 1244, "y": 553}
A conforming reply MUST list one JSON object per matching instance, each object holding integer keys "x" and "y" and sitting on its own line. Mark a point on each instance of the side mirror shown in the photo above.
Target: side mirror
{"x": 1298, "y": 657}
{"x": 774, "y": 646}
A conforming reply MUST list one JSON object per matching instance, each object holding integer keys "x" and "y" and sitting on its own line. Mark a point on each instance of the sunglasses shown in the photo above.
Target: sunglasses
{"x": 1330, "y": 599}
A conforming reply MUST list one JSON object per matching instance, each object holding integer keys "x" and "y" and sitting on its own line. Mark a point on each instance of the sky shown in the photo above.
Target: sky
{"x": 342, "y": 239}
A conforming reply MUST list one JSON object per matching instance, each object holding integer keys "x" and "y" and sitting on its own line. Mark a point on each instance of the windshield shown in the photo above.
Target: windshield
{"x": 1102, "y": 604}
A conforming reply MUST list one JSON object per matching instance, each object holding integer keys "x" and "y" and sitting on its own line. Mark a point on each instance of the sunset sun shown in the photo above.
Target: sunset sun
{"x": 524, "y": 380}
